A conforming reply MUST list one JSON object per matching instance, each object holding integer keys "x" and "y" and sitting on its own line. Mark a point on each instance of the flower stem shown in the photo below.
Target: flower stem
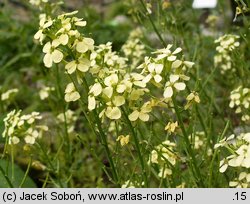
{"x": 26, "y": 173}
{"x": 61, "y": 97}
{"x": 100, "y": 134}
{"x": 153, "y": 25}
{"x": 137, "y": 146}
{"x": 195, "y": 169}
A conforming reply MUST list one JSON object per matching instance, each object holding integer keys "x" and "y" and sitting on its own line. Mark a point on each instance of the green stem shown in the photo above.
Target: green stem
{"x": 45, "y": 181}
{"x": 61, "y": 97}
{"x": 26, "y": 173}
{"x": 201, "y": 121}
{"x": 50, "y": 164}
{"x": 101, "y": 135}
{"x": 137, "y": 146}
{"x": 12, "y": 163}
{"x": 215, "y": 154}
{"x": 153, "y": 25}
{"x": 196, "y": 171}
{"x": 105, "y": 143}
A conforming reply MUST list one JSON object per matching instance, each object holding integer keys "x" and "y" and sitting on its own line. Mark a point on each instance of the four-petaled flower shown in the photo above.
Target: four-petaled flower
{"x": 142, "y": 113}
{"x": 81, "y": 64}
{"x": 154, "y": 72}
{"x": 84, "y": 45}
{"x": 52, "y": 54}
{"x": 173, "y": 83}
{"x": 70, "y": 93}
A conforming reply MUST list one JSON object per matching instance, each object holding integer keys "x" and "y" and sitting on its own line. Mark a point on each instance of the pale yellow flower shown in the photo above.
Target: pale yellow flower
{"x": 173, "y": 83}
{"x": 52, "y": 54}
{"x": 243, "y": 181}
{"x": 223, "y": 165}
{"x": 167, "y": 53}
{"x": 94, "y": 91}
{"x": 31, "y": 136}
{"x": 70, "y": 93}
{"x": 63, "y": 39}
{"x": 30, "y": 118}
{"x": 163, "y": 155}
{"x": 79, "y": 22}
{"x": 124, "y": 140}
{"x": 242, "y": 158}
{"x": 170, "y": 127}
{"x": 84, "y": 45}
{"x": 154, "y": 73}
{"x": 193, "y": 97}
{"x": 14, "y": 140}
{"x": 45, "y": 22}
{"x": 81, "y": 65}
{"x": 142, "y": 113}
{"x": 114, "y": 113}
{"x": 110, "y": 82}
{"x": 128, "y": 184}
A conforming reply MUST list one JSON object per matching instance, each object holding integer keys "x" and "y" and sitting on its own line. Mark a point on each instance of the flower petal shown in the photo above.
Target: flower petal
{"x": 118, "y": 100}
{"x": 177, "y": 51}
{"x": 134, "y": 115}
{"x": 47, "y": 60}
{"x": 70, "y": 87}
{"x": 108, "y": 91}
{"x": 113, "y": 113}
{"x": 96, "y": 89}
{"x": 91, "y": 103}
{"x": 83, "y": 65}
{"x": 176, "y": 64}
{"x": 168, "y": 93}
{"x": 180, "y": 86}
{"x": 71, "y": 67}
{"x": 144, "y": 117}
{"x": 57, "y": 56}
{"x": 173, "y": 78}
{"x": 157, "y": 78}
{"x": 47, "y": 47}
{"x": 158, "y": 68}
{"x": 171, "y": 58}
{"x": 64, "y": 39}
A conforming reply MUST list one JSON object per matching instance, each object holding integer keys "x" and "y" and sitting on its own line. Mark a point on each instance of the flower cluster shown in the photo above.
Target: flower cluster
{"x": 22, "y": 128}
{"x": 60, "y": 35}
{"x": 164, "y": 156}
{"x": 240, "y": 99}
{"x": 227, "y": 43}
{"x": 117, "y": 81}
{"x": 239, "y": 147}
{"x": 114, "y": 85}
